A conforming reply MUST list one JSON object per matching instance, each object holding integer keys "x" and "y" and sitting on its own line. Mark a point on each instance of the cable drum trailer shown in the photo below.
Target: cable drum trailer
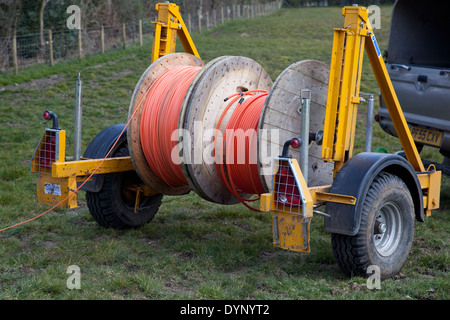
{"x": 372, "y": 199}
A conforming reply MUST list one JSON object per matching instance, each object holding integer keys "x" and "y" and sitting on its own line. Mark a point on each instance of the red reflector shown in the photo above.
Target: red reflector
{"x": 46, "y": 115}
{"x": 295, "y": 143}
{"x": 287, "y": 192}
{"x": 48, "y": 152}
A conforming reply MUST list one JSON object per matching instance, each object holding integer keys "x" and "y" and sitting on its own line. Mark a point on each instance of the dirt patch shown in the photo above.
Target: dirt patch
{"x": 49, "y": 244}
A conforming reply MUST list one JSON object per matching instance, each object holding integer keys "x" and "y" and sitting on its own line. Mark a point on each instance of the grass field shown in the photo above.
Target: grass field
{"x": 192, "y": 249}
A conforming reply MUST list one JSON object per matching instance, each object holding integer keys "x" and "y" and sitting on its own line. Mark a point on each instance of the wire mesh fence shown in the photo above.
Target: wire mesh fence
{"x": 66, "y": 44}
{"x": 18, "y": 51}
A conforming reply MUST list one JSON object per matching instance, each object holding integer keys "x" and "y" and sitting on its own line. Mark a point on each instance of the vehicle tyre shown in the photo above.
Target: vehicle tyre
{"x": 386, "y": 230}
{"x": 113, "y": 206}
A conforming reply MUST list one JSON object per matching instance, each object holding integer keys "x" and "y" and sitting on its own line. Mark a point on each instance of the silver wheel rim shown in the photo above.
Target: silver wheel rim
{"x": 388, "y": 229}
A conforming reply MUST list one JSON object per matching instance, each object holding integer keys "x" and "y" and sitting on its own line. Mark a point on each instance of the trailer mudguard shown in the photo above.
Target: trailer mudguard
{"x": 99, "y": 147}
{"x": 355, "y": 178}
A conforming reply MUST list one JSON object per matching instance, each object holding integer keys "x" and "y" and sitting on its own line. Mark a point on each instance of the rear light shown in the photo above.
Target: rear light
{"x": 48, "y": 152}
{"x": 286, "y": 190}
{"x": 295, "y": 143}
{"x": 46, "y": 115}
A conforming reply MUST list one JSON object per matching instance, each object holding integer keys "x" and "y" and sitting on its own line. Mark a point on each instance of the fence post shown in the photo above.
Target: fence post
{"x": 80, "y": 50}
{"x": 14, "y": 53}
{"x": 124, "y": 32}
{"x": 140, "y": 32}
{"x": 50, "y": 47}
{"x": 102, "y": 39}
{"x": 221, "y": 12}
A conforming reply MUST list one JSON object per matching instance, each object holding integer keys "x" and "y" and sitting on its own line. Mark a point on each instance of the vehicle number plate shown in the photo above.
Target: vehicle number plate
{"x": 426, "y": 136}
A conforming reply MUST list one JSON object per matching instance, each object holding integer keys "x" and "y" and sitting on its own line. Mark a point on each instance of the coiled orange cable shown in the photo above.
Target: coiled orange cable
{"x": 236, "y": 154}
{"x": 159, "y": 119}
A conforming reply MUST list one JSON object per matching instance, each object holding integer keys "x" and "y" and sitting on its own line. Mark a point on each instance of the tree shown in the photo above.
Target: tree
{"x": 41, "y": 26}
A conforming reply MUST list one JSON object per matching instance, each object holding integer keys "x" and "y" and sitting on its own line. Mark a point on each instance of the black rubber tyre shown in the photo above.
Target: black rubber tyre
{"x": 386, "y": 231}
{"x": 112, "y": 207}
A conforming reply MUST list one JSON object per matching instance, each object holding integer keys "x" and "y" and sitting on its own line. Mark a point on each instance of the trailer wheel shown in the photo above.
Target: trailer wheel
{"x": 386, "y": 230}
{"x": 113, "y": 206}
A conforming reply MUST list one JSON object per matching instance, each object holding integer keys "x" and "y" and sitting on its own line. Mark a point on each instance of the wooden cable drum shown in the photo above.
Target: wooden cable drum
{"x": 202, "y": 109}
{"x": 153, "y": 72}
{"x": 280, "y": 120}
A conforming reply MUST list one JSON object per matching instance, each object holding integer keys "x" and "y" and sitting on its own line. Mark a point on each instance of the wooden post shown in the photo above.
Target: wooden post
{"x": 141, "y": 39}
{"x": 124, "y": 33}
{"x": 102, "y": 39}
{"x": 221, "y": 12}
{"x": 50, "y": 47}
{"x": 80, "y": 49}
{"x": 14, "y": 53}
{"x": 207, "y": 20}
{"x": 214, "y": 17}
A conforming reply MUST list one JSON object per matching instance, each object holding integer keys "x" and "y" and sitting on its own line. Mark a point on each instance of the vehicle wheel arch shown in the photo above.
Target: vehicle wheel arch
{"x": 355, "y": 178}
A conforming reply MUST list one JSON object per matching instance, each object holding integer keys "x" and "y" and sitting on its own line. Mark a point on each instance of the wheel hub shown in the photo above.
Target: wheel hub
{"x": 388, "y": 229}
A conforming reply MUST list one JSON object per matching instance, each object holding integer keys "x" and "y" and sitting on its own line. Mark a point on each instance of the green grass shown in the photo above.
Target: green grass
{"x": 192, "y": 249}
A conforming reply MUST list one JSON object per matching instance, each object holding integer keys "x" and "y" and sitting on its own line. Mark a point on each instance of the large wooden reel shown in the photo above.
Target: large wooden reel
{"x": 141, "y": 166}
{"x": 202, "y": 108}
{"x": 280, "y": 120}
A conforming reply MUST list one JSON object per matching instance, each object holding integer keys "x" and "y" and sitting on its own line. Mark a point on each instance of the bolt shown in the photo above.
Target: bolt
{"x": 382, "y": 228}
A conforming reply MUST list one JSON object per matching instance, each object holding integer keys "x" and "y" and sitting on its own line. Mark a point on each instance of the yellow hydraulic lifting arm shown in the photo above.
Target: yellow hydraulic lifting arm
{"x": 343, "y": 92}
{"x": 169, "y": 25}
